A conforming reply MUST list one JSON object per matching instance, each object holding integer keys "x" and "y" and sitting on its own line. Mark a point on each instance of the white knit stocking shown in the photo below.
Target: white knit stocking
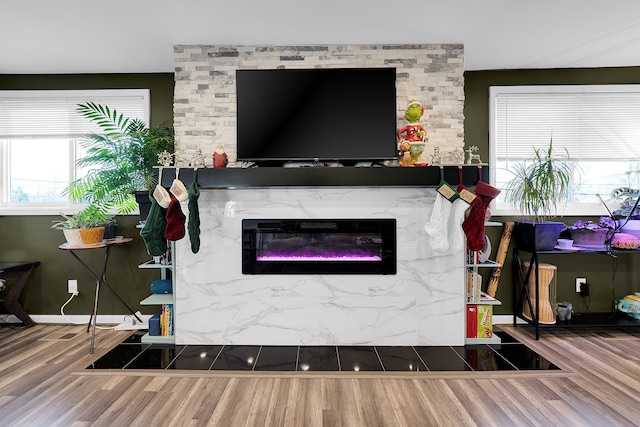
{"x": 456, "y": 218}
{"x": 436, "y": 228}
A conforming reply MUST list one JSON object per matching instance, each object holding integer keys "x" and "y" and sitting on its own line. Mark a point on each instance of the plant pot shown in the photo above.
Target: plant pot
{"x": 92, "y": 235}
{"x": 110, "y": 231}
{"x": 73, "y": 236}
{"x": 631, "y": 227}
{"x": 541, "y": 236}
{"x": 144, "y": 204}
{"x": 590, "y": 238}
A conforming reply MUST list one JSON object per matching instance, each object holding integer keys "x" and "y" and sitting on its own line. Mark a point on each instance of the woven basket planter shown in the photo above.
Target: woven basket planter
{"x": 92, "y": 235}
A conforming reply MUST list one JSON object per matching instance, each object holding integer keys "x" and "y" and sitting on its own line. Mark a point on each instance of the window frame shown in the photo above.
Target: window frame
{"x": 500, "y": 208}
{"x": 100, "y": 96}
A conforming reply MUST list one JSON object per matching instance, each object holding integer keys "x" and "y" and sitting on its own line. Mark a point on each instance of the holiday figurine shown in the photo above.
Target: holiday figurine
{"x": 220, "y": 158}
{"x": 413, "y": 134}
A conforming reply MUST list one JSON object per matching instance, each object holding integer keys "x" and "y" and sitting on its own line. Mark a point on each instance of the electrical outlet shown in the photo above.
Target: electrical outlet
{"x": 72, "y": 284}
{"x": 579, "y": 282}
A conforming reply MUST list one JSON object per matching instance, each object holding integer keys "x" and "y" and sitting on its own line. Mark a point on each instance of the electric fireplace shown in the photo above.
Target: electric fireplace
{"x": 319, "y": 246}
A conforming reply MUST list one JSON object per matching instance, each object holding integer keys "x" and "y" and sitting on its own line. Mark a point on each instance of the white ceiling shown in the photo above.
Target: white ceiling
{"x": 116, "y": 36}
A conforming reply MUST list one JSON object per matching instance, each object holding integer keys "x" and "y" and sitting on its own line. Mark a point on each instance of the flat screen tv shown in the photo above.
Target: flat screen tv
{"x": 345, "y": 114}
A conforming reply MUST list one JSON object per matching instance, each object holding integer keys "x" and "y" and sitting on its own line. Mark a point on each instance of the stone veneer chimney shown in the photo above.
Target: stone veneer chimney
{"x": 205, "y": 100}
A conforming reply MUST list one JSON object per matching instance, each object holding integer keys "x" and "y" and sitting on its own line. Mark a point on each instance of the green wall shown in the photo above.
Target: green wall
{"x": 160, "y": 86}
{"x": 30, "y": 238}
{"x": 598, "y": 269}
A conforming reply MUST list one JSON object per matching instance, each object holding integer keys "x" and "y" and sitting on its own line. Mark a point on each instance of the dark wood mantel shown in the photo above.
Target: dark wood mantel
{"x": 256, "y": 177}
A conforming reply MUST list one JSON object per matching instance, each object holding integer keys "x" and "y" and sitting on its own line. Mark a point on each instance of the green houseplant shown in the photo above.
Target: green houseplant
{"x": 539, "y": 185}
{"x": 120, "y": 158}
{"x": 87, "y": 226}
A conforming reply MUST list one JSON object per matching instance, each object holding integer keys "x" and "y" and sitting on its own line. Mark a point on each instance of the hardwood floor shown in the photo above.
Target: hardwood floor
{"x": 43, "y": 383}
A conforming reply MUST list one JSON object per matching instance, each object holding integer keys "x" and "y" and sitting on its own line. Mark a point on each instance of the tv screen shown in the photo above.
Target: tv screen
{"x": 345, "y": 114}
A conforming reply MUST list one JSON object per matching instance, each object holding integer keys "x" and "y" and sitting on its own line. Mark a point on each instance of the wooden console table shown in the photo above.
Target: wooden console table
{"x": 101, "y": 279}
{"x": 11, "y": 303}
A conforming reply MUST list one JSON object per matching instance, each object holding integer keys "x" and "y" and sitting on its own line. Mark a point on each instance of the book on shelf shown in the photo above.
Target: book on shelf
{"x": 166, "y": 320}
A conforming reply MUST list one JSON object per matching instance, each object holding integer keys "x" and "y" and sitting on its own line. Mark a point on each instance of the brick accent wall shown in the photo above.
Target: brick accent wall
{"x": 205, "y": 100}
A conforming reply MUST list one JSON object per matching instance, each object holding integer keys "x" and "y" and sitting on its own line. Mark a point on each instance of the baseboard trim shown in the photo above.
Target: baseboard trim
{"x": 113, "y": 319}
{"x": 506, "y": 319}
{"x": 104, "y": 319}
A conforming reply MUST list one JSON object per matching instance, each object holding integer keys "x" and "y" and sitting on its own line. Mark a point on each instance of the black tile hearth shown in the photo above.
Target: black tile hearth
{"x": 277, "y": 358}
{"x": 511, "y": 355}
{"x": 321, "y": 358}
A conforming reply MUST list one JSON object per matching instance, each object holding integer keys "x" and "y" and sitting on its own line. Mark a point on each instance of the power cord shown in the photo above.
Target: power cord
{"x": 73, "y": 295}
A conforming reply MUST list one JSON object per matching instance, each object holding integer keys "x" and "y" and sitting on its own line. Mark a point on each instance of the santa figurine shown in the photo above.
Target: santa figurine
{"x": 220, "y": 159}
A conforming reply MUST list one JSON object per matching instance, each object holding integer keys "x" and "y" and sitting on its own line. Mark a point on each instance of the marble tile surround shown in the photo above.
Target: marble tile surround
{"x": 423, "y": 304}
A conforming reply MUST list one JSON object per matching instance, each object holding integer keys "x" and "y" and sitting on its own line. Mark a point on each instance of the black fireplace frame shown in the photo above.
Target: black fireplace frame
{"x": 384, "y": 227}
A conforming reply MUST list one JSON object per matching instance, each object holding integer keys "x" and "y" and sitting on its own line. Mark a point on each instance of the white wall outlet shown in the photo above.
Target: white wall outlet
{"x": 579, "y": 282}
{"x": 73, "y": 286}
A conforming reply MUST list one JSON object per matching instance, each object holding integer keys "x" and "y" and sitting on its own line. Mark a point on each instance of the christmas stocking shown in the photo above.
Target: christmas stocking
{"x": 456, "y": 217}
{"x": 473, "y": 226}
{"x": 175, "y": 221}
{"x": 153, "y": 231}
{"x": 436, "y": 228}
{"x": 194, "y": 215}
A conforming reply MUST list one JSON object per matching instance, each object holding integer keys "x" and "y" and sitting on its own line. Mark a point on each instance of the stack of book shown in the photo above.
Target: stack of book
{"x": 161, "y": 323}
{"x": 166, "y": 320}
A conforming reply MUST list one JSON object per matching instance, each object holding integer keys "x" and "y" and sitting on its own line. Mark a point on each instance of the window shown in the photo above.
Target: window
{"x": 40, "y": 140}
{"x": 599, "y": 126}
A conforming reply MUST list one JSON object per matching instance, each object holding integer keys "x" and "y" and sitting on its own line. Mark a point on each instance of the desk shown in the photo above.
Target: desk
{"x": 100, "y": 279}
{"x": 11, "y": 303}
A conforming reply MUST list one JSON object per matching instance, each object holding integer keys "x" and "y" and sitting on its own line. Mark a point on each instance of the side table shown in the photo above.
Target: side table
{"x": 11, "y": 303}
{"x": 101, "y": 279}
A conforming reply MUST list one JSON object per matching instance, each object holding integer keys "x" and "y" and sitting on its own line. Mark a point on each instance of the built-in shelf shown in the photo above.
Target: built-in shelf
{"x": 493, "y": 340}
{"x": 487, "y": 263}
{"x": 348, "y": 176}
{"x": 485, "y": 300}
{"x": 159, "y": 299}
{"x": 150, "y": 339}
{"x": 156, "y": 299}
{"x": 152, "y": 264}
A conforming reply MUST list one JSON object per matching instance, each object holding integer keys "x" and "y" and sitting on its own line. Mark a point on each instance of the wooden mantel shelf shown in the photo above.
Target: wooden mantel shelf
{"x": 257, "y": 177}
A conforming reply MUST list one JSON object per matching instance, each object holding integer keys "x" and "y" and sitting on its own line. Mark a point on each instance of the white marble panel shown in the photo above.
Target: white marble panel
{"x": 423, "y": 304}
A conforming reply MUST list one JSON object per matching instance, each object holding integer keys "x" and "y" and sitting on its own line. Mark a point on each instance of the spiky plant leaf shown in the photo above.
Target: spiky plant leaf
{"x": 540, "y": 184}
{"x": 120, "y": 158}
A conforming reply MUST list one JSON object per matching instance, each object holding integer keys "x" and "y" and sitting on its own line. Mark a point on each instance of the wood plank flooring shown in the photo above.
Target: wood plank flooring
{"x": 43, "y": 383}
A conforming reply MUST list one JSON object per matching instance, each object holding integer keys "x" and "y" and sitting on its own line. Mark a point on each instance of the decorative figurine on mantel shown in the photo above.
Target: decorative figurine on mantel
{"x": 165, "y": 158}
{"x": 220, "y": 158}
{"x": 436, "y": 157}
{"x": 413, "y": 136}
{"x": 456, "y": 156}
{"x": 472, "y": 156}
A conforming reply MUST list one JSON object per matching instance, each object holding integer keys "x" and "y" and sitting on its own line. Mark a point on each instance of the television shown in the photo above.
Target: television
{"x": 345, "y": 115}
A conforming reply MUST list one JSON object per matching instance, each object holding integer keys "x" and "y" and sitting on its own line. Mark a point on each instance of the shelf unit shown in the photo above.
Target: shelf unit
{"x": 166, "y": 271}
{"x": 521, "y": 294}
{"x": 479, "y": 310}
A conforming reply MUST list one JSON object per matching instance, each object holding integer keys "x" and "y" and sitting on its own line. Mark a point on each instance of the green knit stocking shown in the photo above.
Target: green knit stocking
{"x": 153, "y": 231}
{"x": 194, "y": 214}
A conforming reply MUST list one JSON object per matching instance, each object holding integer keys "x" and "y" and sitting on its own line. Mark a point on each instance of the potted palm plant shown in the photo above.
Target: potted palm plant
{"x": 120, "y": 158}
{"x": 539, "y": 185}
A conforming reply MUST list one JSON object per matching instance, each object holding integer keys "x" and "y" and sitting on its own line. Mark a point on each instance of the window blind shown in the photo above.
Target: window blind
{"x": 53, "y": 112}
{"x": 591, "y": 122}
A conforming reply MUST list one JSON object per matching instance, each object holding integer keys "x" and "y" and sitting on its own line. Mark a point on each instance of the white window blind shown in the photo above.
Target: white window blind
{"x": 53, "y": 112}
{"x": 598, "y": 122}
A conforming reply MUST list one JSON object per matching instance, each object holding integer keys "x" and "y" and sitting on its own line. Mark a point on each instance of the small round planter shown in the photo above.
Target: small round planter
{"x": 110, "y": 231}
{"x": 73, "y": 236}
{"x": 92, "y": 236}
{"x": 590, "y": 238}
